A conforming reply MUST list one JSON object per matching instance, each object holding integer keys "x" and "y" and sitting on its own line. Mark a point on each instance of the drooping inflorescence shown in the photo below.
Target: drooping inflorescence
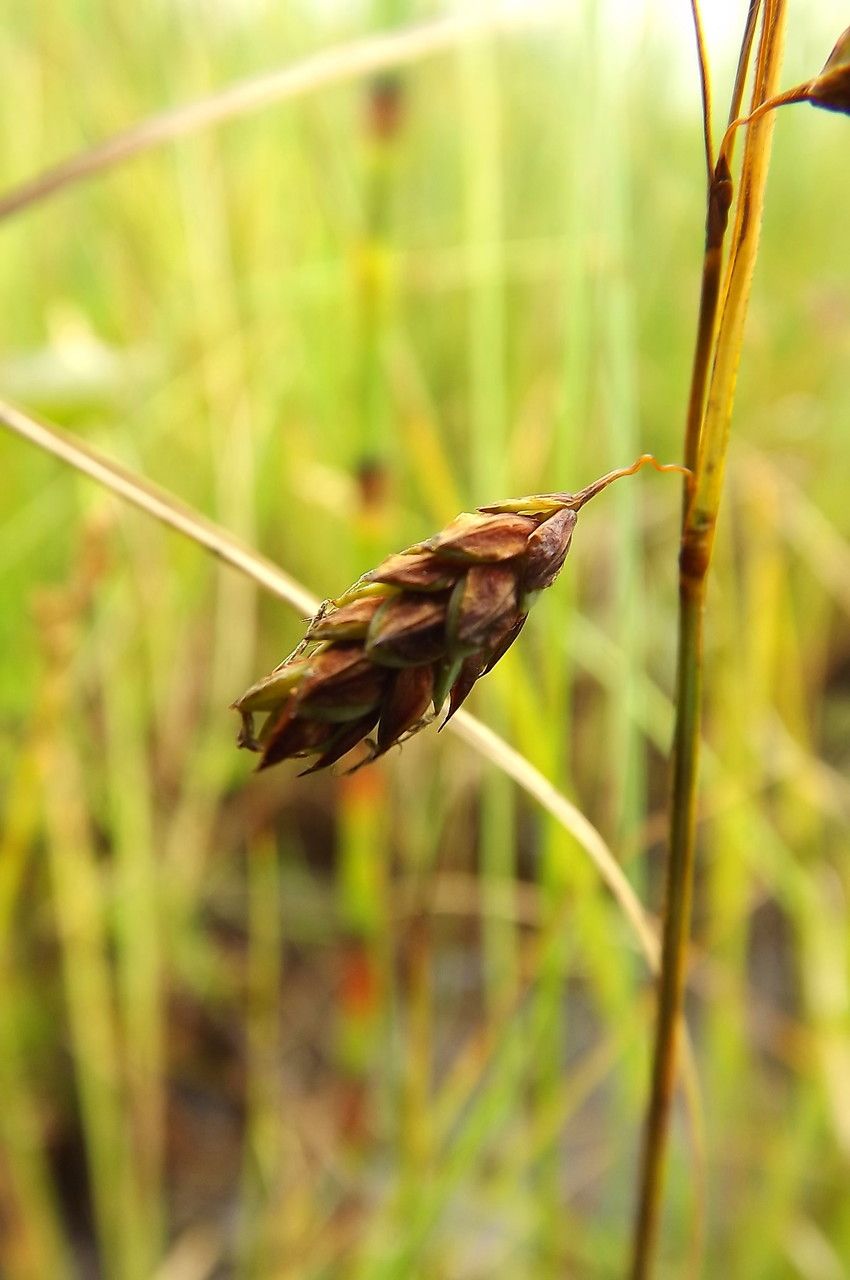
{"x": 415, "y": 633}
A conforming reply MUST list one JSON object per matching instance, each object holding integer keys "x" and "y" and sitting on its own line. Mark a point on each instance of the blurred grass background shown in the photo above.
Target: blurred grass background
{"x": 260, "y": 1027}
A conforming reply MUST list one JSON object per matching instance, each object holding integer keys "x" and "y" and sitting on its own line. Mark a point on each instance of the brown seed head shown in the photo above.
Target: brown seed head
{"x": 419, "y": 629}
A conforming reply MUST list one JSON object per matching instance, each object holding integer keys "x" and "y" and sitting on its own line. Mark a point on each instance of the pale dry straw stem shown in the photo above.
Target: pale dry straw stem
{"x": 327, "y": 67}
{"x": 719, "y": 197}
{"x": 736, "y": 295}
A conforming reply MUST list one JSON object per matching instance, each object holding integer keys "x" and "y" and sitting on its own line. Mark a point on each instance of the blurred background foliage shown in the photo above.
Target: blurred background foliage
{"x": 389, "y": 1025}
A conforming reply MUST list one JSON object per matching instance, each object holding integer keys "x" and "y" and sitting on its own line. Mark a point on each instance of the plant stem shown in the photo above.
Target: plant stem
{"x": 707, "y": 446}
{"x": 677, "y": 914}
{"x": 719, "y": 197}
{"x": 717, "y": 218}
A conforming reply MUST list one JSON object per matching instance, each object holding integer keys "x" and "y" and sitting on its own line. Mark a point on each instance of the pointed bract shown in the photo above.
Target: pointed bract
{"x": 417, "y": 571}
{"x": 408, "y": 699}
{"x": 349, "y": 622}
{"x": 471, "y": 669}
{"x": 294, "y": 738}
{"x": 504, "y": 643}
{"x": 486, "y": 603}
{"x": 476, "y": 536}
{"x": 342, "y": 742}
{"x": 408, "y": 631}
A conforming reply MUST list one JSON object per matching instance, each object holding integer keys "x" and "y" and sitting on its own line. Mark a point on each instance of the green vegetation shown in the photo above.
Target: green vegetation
{"x": 392, "y": 1024}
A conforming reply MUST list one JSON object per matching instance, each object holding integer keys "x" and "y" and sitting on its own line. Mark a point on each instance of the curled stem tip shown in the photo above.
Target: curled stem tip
{"x": 577, "y": 500}
{"x": 799, "y": 93}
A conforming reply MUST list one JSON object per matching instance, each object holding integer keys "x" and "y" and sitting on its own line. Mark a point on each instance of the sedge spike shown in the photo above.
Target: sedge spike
{"x": 415, "y": 633}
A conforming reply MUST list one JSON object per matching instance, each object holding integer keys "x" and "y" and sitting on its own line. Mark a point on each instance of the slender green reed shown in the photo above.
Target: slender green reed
{"x": 701, "y": 502}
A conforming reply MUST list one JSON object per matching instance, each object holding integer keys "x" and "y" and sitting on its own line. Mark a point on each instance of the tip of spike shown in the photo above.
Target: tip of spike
{"x": 578, "y": 500}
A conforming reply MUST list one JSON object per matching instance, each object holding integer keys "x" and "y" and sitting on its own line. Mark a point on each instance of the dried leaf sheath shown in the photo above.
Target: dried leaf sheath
{"x": 419, "y": 629}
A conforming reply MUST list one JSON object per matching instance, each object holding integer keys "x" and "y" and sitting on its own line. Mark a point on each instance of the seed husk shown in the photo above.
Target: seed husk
{"x": 407, "y": 631}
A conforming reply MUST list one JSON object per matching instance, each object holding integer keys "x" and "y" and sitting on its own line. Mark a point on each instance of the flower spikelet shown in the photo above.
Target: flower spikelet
{"x": 410, "y": 636}
{"x": 415, "y": 634}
